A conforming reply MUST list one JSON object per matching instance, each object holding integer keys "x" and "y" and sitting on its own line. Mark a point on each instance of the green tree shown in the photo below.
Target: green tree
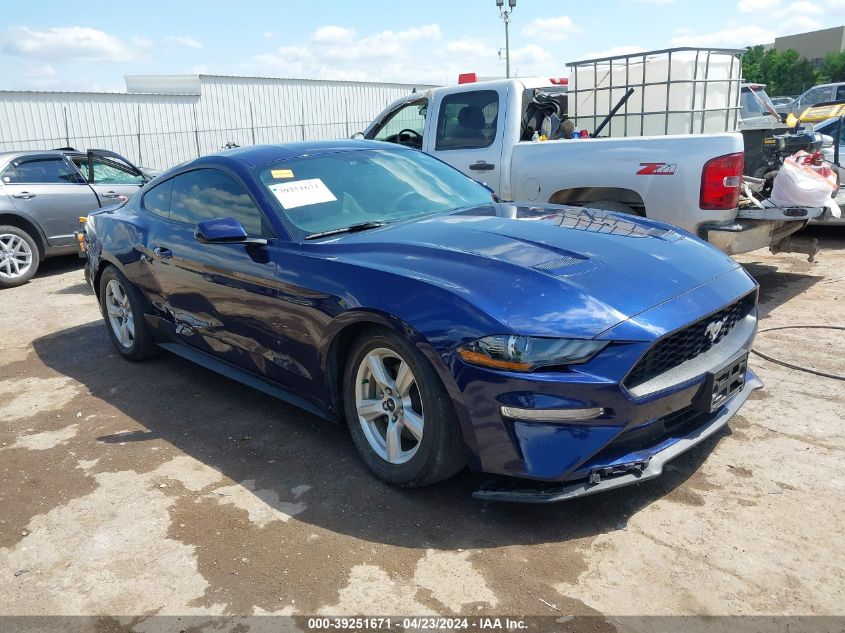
{"x": 785, "y": 73}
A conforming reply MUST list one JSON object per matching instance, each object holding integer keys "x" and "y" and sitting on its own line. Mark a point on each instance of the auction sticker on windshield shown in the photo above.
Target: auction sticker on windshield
{"x": 301, "y": 193}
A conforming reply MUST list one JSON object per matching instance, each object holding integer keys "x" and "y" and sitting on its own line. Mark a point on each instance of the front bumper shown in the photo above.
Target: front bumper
{"x": 624, "y": 470}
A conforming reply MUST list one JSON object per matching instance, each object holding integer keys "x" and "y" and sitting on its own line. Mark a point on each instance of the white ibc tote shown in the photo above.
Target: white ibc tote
{"x": 676, "y": 91}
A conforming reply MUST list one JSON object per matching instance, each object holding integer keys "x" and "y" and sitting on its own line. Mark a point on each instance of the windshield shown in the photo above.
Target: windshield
{"x": 327, "y": 192}
{"x": 755, "y": 102}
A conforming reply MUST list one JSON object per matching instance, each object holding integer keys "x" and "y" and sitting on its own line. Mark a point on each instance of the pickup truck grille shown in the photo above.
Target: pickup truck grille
{"x": 690, "y": 342}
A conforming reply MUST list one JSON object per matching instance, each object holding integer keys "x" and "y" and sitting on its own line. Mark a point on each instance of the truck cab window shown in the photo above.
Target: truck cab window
{"x": 405, "y": 125}
{"x": 467, "y": 120}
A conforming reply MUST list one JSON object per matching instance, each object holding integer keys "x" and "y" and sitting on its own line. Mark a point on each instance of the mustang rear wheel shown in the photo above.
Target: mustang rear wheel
{"x": 121, "y": 304}
{"x": 19, "y": 257}
{"x": 399, "y": 414}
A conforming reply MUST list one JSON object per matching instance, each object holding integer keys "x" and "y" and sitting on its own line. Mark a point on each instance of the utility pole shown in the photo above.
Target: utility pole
{"x": 505, "y": 14}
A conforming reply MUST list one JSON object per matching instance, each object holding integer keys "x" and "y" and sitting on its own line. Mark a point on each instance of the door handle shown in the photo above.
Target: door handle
{"x": 482, "y": 165}
{"x": 23, "y": 194}
{"x": 164, "y": 253}
{"x": 110, "y": 194}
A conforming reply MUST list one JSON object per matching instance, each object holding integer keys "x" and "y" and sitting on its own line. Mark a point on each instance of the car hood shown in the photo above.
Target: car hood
{"x": 543, "y": 271}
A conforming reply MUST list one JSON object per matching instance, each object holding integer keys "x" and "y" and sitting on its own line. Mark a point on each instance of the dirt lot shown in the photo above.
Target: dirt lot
{"x": 162, "y": 488}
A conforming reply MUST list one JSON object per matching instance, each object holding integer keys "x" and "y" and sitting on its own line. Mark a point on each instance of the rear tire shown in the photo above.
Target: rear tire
{"x": 19, "y": 257}
{"x": 399, "y": 413}
{"x": 122, "y": 306}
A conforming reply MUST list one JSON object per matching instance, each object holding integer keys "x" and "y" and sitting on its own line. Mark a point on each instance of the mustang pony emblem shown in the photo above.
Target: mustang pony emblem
{"x": 712, "y": 330}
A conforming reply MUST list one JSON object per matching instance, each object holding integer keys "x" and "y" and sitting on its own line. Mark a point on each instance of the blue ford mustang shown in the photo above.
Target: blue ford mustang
{"x": 581, "y": 349}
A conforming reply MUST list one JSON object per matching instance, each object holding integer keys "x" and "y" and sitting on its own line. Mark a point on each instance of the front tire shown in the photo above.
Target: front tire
{"x": 121, "y": 304}
{"x": 399, "y": 413}
{"x": 19, "y": 257}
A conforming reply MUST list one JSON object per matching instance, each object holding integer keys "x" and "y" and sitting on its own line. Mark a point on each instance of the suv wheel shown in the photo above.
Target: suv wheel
{"x": 19, "y": 257}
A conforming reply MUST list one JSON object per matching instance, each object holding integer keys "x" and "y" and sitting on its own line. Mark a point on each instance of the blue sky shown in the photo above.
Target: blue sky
{"x": 57, "y": 45}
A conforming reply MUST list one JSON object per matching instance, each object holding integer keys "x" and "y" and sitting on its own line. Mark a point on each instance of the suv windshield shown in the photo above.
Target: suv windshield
{"x": 327, "y": 192}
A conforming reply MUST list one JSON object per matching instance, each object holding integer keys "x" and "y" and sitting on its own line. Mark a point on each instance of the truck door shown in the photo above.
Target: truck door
{"x": 47, "y": 188}
{"x": 468, "y": 132}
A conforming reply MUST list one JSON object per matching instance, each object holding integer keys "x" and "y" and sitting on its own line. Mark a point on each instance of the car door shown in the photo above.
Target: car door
{"x": 48, "y": 189}
{"x": 220, "y": 297}
{"x": 112, "y": 177}
{"x": 467, "y": 133}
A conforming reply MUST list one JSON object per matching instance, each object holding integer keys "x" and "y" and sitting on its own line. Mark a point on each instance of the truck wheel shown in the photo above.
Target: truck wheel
{"x": 122, "y": 306}
{"x": 19, "y": 257}
{"x": 399, "y": 413}
{"x": 611, "y": 205}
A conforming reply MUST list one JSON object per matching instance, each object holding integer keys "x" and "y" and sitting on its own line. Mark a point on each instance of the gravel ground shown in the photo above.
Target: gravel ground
{"x": 162, "y": 488}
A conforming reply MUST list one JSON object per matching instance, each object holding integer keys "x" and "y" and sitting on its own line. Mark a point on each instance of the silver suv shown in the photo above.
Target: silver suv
{"x": 42, "y": 196}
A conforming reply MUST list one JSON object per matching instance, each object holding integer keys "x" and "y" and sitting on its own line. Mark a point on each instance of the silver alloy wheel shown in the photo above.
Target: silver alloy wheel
{"x": 15, "y": 256}
{"x": 389, "y": 405}
{"x": 120, "y": 313}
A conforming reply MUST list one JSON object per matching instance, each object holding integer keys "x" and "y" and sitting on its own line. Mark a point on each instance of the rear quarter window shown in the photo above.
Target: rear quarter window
{"x": 157, "y": 199}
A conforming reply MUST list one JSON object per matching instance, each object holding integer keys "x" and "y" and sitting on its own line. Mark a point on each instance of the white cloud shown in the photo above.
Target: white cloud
{"x": 141, "y": 42}
{"x": 739, "y": 37}
{"x": 530, "y": 55}
{"x": 614, "y": 50}
{"x": 185, "y": 40}
{"x": 558, "y": 28}
{"x": 469, "y": 49}
{"x": 336, "y": 52}
{"x": 77, "y": 43}
{"x": 332, "y": 33}
{"x": 41, "y": 76}
{"x": 753, "y": 6}
{"x": 269, "y": 35}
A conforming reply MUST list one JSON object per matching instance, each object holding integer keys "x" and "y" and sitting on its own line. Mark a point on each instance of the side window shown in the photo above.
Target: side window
{"x": 405, "y": 125}
{"x": 157, "y": 199}
{"x": 840, "y": 93}
{"x": 54, "y": 171}
{"x": 467, "y": 120}
{"x": 205, "y": 194}
{"x": 817, "y": 95}
{"x": 109, "y": 173}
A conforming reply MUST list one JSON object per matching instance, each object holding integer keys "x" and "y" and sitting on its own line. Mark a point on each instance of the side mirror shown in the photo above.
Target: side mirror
{"x": 224, "y": 231}
{"x": 827, "y": 141}
{"x": 357, "y": 136}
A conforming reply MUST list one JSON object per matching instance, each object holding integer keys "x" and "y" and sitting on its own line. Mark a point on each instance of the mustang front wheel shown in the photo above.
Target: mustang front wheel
{"x": 399, "y": 413}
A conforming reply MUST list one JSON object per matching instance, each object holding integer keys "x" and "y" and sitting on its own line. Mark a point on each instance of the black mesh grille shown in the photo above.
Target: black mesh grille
{"x": 688, "y": 343}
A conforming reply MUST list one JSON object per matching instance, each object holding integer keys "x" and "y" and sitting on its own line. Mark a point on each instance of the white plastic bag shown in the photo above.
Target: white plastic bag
{"x": 804, "y": 185}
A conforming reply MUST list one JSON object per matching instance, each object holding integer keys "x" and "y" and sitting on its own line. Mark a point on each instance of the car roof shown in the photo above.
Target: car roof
{"x": 260, "y": 154}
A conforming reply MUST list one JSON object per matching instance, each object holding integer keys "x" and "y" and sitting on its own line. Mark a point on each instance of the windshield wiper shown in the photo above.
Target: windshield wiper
{"x": 352, "y": 228}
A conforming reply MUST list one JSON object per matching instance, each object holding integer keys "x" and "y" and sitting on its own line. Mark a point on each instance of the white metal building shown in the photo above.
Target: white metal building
{"x": 163, "y": 120}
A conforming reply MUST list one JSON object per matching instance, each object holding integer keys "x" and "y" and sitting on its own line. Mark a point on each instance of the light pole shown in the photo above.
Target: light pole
{"x": 505, "y": 14}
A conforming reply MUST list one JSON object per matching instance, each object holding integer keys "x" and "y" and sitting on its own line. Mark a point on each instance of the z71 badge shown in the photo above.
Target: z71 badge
{"x": 657, "y": 169}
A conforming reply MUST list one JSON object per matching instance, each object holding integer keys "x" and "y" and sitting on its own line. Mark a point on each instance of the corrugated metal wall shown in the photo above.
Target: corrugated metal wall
{"x": 161, "y": 130}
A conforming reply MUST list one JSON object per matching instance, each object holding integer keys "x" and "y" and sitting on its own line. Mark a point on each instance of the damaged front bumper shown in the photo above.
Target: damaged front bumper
{"x": 622, "y": 470}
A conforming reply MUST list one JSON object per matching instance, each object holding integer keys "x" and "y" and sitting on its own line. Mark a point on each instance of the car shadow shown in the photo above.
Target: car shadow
{"x": 59, "y": 265}
{"x": 776, "y": 286}
{"x": 247, "y": 435}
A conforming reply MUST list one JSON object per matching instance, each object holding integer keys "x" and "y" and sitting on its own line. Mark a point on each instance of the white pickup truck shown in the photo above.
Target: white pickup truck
{"x": 689, "y": 180}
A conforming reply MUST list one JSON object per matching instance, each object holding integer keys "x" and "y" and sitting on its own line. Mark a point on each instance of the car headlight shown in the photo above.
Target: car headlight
{"x": 526, "y": 353}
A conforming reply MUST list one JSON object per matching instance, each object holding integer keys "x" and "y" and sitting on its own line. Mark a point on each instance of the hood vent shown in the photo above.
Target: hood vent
{"x": 556, "y": 264}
